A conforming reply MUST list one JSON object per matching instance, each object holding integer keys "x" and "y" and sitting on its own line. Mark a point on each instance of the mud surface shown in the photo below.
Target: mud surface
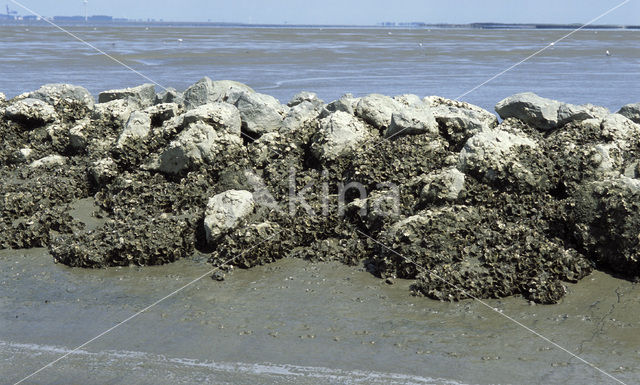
{"x": 298, "y": 322}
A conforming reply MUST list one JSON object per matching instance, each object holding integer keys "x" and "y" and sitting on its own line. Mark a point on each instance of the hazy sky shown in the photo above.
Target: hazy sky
{"x": 347, "y": 11}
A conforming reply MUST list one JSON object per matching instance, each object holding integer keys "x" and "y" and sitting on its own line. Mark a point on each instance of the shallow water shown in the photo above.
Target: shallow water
{"x": 330, "y": 61}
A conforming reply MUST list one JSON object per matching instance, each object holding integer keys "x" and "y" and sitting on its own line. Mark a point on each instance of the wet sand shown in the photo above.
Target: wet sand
{"x": 298, "y": 322}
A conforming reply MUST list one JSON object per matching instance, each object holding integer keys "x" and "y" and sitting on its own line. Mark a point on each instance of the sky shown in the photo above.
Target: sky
{"x": 355, "y": 12}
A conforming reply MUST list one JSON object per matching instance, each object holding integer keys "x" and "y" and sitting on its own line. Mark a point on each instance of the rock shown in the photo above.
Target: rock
{"x": 31, "y": 112}
{"x": 631, "y": 112}
{"x": 260, "y": 113}
{"x": 442, "y": 186}
{"x": 223, "y": 117}
{"x": 305, "y": 96}
{"x": 410, "y": 100}
{"x": 225, "y": 211}
{"x": 620, "y": 129}
{"x": 494, "y": 156}
{"x": 338, "y": 133}
{"x": 300, "y": 115}
{"x": 116, "y": 112}
{"x": 162, "y": 112}
{"x": 78, "y": 138}
{"x": 207, "y": 91}
{"x": 377, "y": 110}
{"x": 145, "y": 94}
{"x": 198, "y": 144}
{"x": 542, "y": 113}
{"x": 49, "y": 161}
{"x": 21, "y": 156}
{"x": 608, "y": 157}
{"x": 411, "y": 121}
{"x": 606, "y": 222}
{"x": 64, "y": 95}
{"x": 458, "y": 121}
{"x": 347, "y": 103}
{"x": 138, "y": 127}
{"x": 103, "y": 171}
{"x": 3, "y": 98}
{"x": 170, "y": 95}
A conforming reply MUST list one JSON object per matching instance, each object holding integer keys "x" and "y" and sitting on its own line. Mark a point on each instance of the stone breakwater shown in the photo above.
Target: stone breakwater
{"x": 427, "y": 189}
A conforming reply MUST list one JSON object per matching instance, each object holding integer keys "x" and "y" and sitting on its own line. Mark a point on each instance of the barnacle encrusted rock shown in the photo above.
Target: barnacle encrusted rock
{"x": 433, "y": 190}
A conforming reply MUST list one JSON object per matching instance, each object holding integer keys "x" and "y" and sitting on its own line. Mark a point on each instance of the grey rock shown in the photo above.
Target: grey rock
{"x": 305, "y": 96}
{"x": 3, "y": 98}
{"x": 459, "y": 121}
{"x": 544, "y": 114}
{"x": 32, "y": 112}
{"x": 631, "y": 112}
{"x": 260, "y": 113}
{"x": 492, "y": 155}
{"x": 300, "y": 115}
{"x": 170, "y": 95}
{"x": 57, "y": 94}
{"x": 410, "y": 121}
{"x": 338, "y": 133}
{"x": 22, "y": 155}
{"x": 207, "y": 91}
{"x": 620, "y": 129}
{"x": 225, "y": 211}
{"x": 103, "y": 171}
{"x": 137, "y": 128}
{"x": 49, "y": 161}
{"x": 377, "y": 110}
{"x": 443, "y": 185}
{"x": 116, "y": 111}
{"x": 145, "y": 94}
{"x": 347, "y": 103}
{"x": 223, "y": 117}
{"x": 198, "y": 144}
{"x": 162, "y": 112}
{"x": 78, "y": 137}
{"x": 410, "y": 100}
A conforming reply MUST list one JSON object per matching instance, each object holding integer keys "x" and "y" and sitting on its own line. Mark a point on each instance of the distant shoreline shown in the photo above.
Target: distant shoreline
{"x": 385, "y": 25}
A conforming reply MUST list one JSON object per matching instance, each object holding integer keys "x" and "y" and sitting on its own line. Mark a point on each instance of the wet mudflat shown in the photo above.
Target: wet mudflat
{"x": 298, "y": 322}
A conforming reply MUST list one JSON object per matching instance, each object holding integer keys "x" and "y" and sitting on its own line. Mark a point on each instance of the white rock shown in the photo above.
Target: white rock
{"x": 138, "y": 127}
{"x": 377, "y": 109}
{"x": 444, "y": 185}
{"x": 116, "y": 111}
{"x": 305, "y": 96}
{"x": 55, "y": 94}
{"x": 338, "y": 133}
{"x": 197, "y": 144}
{"x": 620, "y": 129}
{"x": 225, "y": 211}
{"x": 162, "y": 112}
{"x": 487, "y": 154}
{"x": 32, "y": 112}
{"x": 145, "y": 94}
{"x": 300, "y": 115}
{"x": 48, "y": 161}
{"x": 223, "y": 117}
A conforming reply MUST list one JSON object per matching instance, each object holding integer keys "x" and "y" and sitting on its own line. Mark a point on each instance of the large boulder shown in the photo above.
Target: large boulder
{"x": 162, "y": 112}
{"x": 605, "y": 218}
{"x": 116, "y": 112}
{"x": 138, "y": 127}
{"x": 497, "y": 156}
{"x": 198, "y": 144}
{"x": 223, "y": 117}
{"x": 225, "y": 211}
{"x": 305, "y": 96}
{"x": 64, "y": 96}
{"x": 31, "y": 112}
{"x": 458, "y": 121}
{"x": 337, "y": 134}
{"x": 207, "y": 91}
{"x": 145, "y": 94}
{"x": 260, "y": 113}
{"x": 377, "y": 110}
{"x": 409, "y": 121}
{"x": 619, "y": 129}
{"x": 542, "y": 113}
{"x": 300, "y": 115}
{"x": 444, "y": 185}
{"x": 347, "y": 103}
{"x": 631, "y": 111}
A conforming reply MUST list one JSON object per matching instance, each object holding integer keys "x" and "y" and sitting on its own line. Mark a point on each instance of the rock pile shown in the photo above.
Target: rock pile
{"x": 431, "y": 189}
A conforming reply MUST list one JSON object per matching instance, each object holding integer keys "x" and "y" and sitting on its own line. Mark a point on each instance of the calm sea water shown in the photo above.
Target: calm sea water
{"x": 330, "y": 61}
